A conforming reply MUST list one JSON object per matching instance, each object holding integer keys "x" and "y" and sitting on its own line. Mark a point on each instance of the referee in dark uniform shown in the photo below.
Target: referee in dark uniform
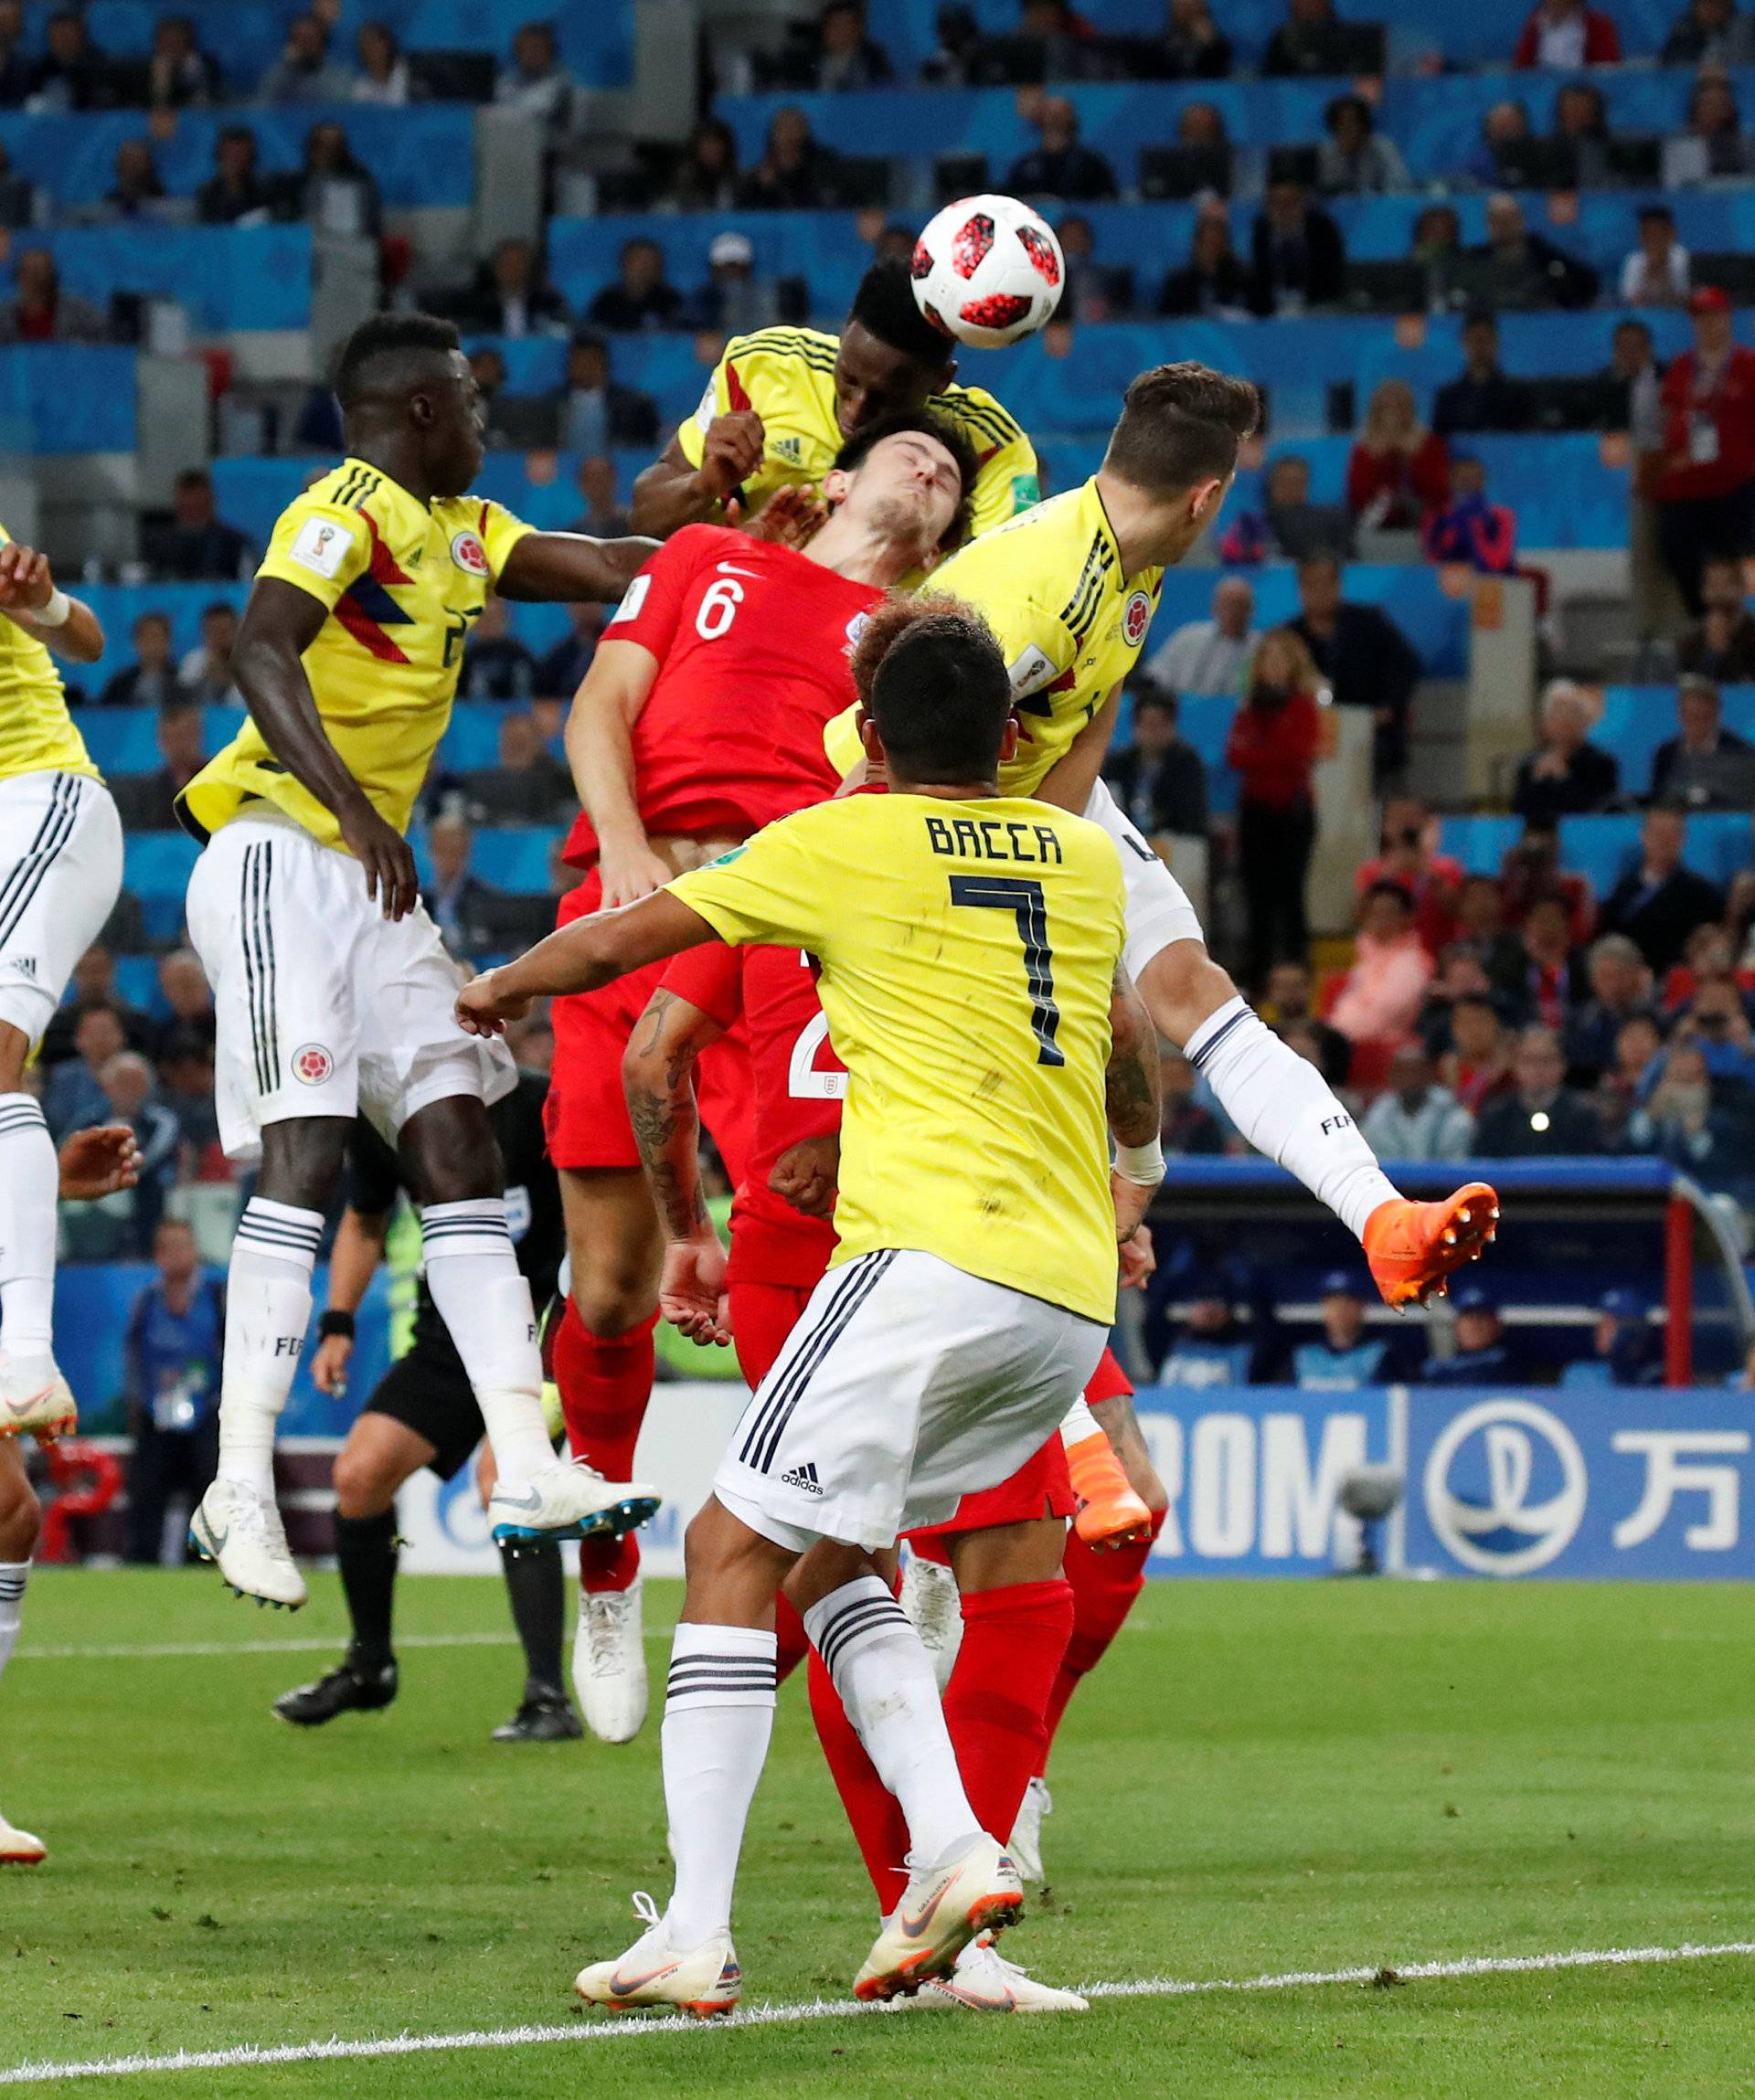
{"x": 423, "y": 1413}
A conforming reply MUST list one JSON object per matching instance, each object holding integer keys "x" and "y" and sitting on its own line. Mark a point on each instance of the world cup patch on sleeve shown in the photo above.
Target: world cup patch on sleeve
{"x": 634, "y": 600}
{"x": 321, "y": 545}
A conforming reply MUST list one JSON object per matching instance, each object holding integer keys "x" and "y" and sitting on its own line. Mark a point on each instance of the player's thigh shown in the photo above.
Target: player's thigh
{"x": 412, "y": 1055}
{"x": 1038, "y": 1494}
{"x": 60, "y": 870}
{"x": 614, "y": 1245}
{"x": 276, "y": 919}
{"x": 586, "y": 1114}
{"x": 21, "y": 1518}
{"x": 1003, "y": 1555}
{"x": 762, "y": 1316}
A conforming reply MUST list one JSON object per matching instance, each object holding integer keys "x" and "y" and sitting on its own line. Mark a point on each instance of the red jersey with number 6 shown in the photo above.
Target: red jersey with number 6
{"x": 752, "y": 642}
{"x": 799, "y": 1084}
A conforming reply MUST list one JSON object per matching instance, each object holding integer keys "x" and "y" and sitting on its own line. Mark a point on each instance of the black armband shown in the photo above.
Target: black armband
{"x": 336, "y": 1323}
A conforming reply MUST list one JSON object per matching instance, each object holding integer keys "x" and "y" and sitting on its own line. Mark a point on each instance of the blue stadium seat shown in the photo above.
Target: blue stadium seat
{"x": 155, "y": 869}
{"x": 1637, "y": 718}
{"x": 1437, "y": 625}
{"x": 514, "y": 859}
{"x": 229, "y": 277}
{"x": 1481, "y": 843}
{"x": 67, "y": 397}
{"x": 119, "y": 605}
{"x": 474, "y": 738}
{"x": 121, "y": 740}
{"x": 137, "y": 981}
{"x": 1598, "y": 848}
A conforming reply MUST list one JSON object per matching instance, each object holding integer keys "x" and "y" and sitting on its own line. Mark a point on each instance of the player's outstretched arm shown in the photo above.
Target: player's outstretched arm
{"x": 280, "y": 623}
{"x": 600, "y": 750}
{"x": 580, "y": 957}
{"x": 29, "y": 596}
{"x": 1069, "y": 781}
{"x": 658, "y": 1078}
{"x": 672, "y": 492}
{"x": 1135, "y": 1104}
{"x": 570, "y": 567}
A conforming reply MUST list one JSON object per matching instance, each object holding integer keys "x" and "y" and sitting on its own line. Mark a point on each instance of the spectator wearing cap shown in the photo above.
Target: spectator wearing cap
{"x": 1414, "y": 1117}
{"x": 1482, "y": 397}
{"x": 1705, "y": 766}
{"x": 734, "y": 300}
{"x": 1657, "y": 273}
{"x": 596, "y": 412}
{"x": 1566, "y": 775}
{"x": 1702, "y": 478}
{"x": 1563, "y": 35}
{"x": 1624, "y": 1346}
{"x": 641, "y": 298}
{"x": 1620, "y": 991}
{"x": 1659, "y": 902}
{"x": 1720, "y": 645}
{"x": 1211, "y": 1346}
{"x": 1484, "y": 1354}
{"x": 1544, "y": 1118}
{"x": 1343, "y": 1358}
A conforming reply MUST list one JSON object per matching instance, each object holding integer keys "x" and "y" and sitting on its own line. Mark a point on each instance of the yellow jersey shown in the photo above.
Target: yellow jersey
{"x": 968, "y": 950}
{"x": 37, "y": 733}
{"x": 403, "y": 582}
{"x": 787, "y": 377}
{"x": 1070, "y": 624}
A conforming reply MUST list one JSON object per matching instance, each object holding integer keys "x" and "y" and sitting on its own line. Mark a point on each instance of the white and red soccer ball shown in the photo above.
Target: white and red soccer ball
{"x": 988, "y": 271}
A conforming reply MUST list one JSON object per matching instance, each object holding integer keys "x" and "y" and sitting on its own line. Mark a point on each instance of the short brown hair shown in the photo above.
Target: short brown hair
{"x": 1181, "y": 424}
{"x": 932, "y": 676}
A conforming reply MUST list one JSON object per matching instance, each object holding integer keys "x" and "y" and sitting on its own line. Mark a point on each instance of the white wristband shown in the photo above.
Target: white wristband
{"x": 56, "y": 612}
{"x": 1140, "y": 1164}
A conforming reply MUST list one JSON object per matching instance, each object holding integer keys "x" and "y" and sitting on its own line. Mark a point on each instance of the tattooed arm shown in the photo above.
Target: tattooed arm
{"x": 658, "y": 1078}
{"x": 1134, "y": 1103}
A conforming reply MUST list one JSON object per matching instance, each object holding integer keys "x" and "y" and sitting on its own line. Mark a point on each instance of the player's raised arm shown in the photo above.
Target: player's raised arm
{"x": 1077, "y": 770}
{"x": 581, "y": 957}
{"x": 1134, "y": 1103}
{"x": 658, "y": 1078}
{"x": 29, "y": 594}
{"x": 570, "y": 567}
{"x": 674, "y": 491}
{"x": 280, "y": 623}
{"x": 600, "y": 751}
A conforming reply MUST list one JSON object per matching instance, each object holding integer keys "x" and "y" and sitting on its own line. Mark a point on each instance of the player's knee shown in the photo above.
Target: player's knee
{"x": 364, "y": 1486}
{"x": 302, "y": 1160}
{"x": 14, "y": 1055}
{"x": 21, "y": 1517}
{"x": 612, "y": 1298}
{"x": 1181, "y": 986}
{"x": 450, "y": 1152}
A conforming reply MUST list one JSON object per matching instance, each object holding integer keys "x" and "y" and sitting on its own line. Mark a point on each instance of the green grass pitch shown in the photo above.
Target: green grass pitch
{"x": 1262, "y": 1778}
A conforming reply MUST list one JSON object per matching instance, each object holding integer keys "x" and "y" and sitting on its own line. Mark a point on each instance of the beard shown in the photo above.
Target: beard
{"x": 904, "y": 523}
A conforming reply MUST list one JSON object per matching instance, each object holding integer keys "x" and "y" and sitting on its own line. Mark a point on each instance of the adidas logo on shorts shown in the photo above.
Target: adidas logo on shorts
{"x": 803, "y": 1478}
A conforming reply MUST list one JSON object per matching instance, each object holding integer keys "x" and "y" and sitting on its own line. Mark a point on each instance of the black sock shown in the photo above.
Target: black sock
{"x": 534, "y": 1584}
{"x": 366, "y": 1553}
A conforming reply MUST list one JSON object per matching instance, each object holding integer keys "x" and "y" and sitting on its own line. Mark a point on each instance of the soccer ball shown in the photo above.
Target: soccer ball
{"x": 988, "y": 271}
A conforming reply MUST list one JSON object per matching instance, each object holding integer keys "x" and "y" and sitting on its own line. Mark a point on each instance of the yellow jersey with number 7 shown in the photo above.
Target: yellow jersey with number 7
{"x": 1071, "y": 624}
{"x": 968, "y": 951}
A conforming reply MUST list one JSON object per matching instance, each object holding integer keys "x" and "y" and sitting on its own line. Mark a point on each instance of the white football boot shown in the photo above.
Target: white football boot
{"x": 567, "y": 1500}
{"x": 35, "y": 1399}
{"x": 240, "y": 1530}
{"x": 1025, "y": 1847}
{"x": 610, "y": 1662}
{"x": 18, "y": 1848}
{"x": 970, "y": 1889}
{"x": 705, "y": 1980}
{"x": 985, "y": 1982}
{"x": 932, "y": 1603}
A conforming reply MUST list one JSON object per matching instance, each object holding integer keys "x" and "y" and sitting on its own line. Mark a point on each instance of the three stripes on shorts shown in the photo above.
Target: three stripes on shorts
{"x": 804, "y": 1351}
{"x": 25, "y": 878}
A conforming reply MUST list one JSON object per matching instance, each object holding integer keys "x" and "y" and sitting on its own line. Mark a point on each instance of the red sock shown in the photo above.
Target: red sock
{"x": 1104, "y": 1588}
{"x": 1013, "y": 1642}
{"x": 605, "y": 1382}
{"x": 879, "y": 1828}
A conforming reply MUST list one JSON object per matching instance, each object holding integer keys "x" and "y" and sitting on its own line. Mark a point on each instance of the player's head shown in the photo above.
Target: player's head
{"x": 891, "y": 360}
{"x": 1176, "y": 446}
{"x": 404, "y": 383}
{"x": 908, "y": 481}
{"x": 936, "y": 695}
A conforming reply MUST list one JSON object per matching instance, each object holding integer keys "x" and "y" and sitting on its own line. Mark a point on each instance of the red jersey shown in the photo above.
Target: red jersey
{"x": 752, "y": 642}
{"x": 799, "y": 1085}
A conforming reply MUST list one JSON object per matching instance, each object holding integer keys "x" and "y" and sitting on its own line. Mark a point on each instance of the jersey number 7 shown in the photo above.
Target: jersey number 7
{"x": 1022, "y": 896}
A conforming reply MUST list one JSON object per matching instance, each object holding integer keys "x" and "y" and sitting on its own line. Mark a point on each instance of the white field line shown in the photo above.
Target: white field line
{"x": 249, "y": 2055}
{"x": 163, "y": 1651}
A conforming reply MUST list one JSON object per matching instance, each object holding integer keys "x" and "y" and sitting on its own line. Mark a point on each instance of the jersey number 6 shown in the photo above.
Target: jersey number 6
{"x": 1022, "y": 896}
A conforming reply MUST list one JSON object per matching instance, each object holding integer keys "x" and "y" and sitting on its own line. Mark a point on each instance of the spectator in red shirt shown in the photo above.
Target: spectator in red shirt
{"x": 1564, "y": 33}
{"x": 1407, "y": 854}
{"x": 1703, "y": 478}
{"x": 1276, "y": 737}
{"x": 1399, "y": 471}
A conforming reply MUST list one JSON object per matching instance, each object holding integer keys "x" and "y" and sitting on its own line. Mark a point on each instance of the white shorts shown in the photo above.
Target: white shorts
{"x": 60, "y": 872}
{"x": 324, "y": 1007}
{"x": 906, "y": 1385}
{"x": 1158, "y": 910}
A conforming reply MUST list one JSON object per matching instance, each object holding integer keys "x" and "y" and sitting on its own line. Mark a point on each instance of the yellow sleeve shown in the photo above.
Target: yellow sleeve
{"x": 841, "y": 741}
{"x": 1008, "y": 483}
{"x": 501, "y": 532}
{"x": 321, "y": 547}
{"x": 762, "y": 890}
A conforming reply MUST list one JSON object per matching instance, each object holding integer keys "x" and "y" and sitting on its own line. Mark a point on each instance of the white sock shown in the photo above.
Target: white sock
{"x": 14, "y": 1575}
{"x": 1080, "y": 1425}
{"x": 718, "y": 1715}
{"x": 268, "y": 1311}
{"x": 886, "y": 1681}
{"x": 29, "y": 1185}
{"x": 1286, "y": 1108}
{"x": 485, "y": 1301}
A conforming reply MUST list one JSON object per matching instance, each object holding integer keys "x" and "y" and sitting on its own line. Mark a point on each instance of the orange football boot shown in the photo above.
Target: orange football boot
{"x": 1109, "y": 1512}
{"x": 1412, "y": 1247}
